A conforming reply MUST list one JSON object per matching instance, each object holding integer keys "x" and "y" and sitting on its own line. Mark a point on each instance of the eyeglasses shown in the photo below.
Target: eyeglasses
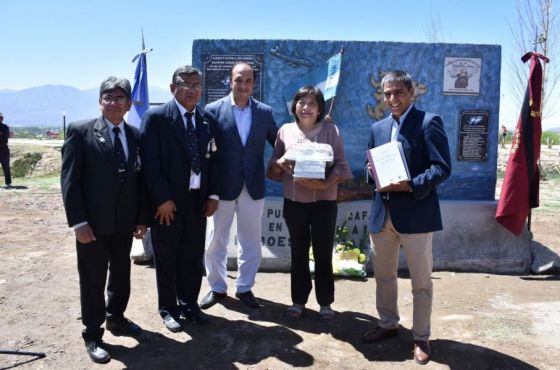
{"x": 189, "y": 86}
{"x": 121, "y": 100}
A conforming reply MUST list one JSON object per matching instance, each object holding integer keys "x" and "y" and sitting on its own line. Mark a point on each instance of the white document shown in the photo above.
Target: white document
{"x": 311, "y": 159}
{"x": 388, "y": 164}
{"x": 310, "y": 169}
{"x": 310, "y": 151}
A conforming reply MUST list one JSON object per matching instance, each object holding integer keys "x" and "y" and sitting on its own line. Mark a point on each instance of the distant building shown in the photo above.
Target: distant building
{"x": 53, "y": 134}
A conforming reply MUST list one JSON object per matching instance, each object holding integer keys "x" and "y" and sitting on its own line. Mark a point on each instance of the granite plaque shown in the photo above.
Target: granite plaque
{"x": 217, "y": 69}
{"x": 473, "y": 136}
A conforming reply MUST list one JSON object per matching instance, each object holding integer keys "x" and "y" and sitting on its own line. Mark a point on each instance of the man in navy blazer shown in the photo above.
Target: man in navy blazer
{"x": 178, "y": 157}
{"x": 105, "y": 203}
{"x": 244, "y": 127}
{"x": 407, "y": 213}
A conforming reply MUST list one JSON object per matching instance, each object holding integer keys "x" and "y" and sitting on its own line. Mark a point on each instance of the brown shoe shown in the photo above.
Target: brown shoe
{"x": 422, "y": 352}
{"x": 378, "y": 333}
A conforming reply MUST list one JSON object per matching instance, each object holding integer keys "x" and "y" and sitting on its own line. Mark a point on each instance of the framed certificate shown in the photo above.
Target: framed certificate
{"x": 388, "y": 164}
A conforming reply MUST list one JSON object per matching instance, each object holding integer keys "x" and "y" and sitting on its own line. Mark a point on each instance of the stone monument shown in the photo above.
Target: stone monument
{"x": 460, "y": 82}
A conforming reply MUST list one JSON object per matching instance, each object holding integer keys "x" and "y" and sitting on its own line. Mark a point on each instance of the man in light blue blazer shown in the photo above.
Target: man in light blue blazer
{"x": 407, "y": 213}
{"x": 244, "y": 127}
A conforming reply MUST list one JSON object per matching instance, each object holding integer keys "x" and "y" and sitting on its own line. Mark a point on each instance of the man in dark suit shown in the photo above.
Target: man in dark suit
{"x": 5, "y": 152}
{"x": 178, "y": 161}
{"x": 104, "y": 202}
{"x": 407, "y": 213}
{"x": 244, "y": 127}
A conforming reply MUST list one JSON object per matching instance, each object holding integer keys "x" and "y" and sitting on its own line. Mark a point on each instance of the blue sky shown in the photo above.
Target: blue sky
{"x": 78, "y": 43}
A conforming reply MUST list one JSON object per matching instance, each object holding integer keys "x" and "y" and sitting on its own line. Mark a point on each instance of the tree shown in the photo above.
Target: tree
{"x": 537, "y": 30}
{"x": 433, "y": 29}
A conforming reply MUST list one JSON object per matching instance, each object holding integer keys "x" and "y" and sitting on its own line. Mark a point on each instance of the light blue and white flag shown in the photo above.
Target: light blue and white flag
{"x": 140, "y": 98}
{"x": 325, "y": 77}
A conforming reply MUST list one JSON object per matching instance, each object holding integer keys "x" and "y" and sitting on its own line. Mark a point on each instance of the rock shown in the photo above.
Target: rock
{"x": 545, "y": 261}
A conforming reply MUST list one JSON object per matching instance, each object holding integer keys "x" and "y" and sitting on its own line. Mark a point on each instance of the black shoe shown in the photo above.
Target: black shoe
{"x": 196, "y": 316}
{"x": 171, "y": 324}
{"x": 122, "y": 326}
{"x": 378, "y": 334}
{"x": 248, "y": 299}
{"x": 97, "y": 352}
{"x": 211, "y": 299}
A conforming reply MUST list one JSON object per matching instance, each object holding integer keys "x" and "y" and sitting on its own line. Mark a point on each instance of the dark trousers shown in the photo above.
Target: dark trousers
{"x": 178, "y": 257}
{"x": 5, "y": 162}
{"x": 311, "y": 223}
{"x": 107, "y": 252}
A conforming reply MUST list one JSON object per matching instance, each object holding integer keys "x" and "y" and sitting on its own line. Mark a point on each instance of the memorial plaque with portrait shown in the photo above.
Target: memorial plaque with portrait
{"x": 473, "y": 136}
{"x": 217, "y": 69}
{"x": 461, "y": 76}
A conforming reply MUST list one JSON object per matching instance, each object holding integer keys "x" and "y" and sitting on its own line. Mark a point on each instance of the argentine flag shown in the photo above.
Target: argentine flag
{"x": 325, "y": 77}
{"x": 140, "y": 98}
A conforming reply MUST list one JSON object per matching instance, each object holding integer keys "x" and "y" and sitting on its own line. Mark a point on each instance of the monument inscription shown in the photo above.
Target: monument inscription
{"x": 217, "y": 69}
{"x": 473, "y": 136}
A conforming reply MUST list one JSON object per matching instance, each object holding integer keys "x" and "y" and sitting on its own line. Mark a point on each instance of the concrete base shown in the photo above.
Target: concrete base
{"x": 471, "y": 239}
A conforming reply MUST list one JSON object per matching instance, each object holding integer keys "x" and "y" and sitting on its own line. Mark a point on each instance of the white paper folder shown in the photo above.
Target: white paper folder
{"x": 388, "y": 164}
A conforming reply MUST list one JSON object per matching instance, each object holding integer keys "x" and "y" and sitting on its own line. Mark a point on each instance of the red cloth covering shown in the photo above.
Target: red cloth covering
{"x": 520, "y": 190}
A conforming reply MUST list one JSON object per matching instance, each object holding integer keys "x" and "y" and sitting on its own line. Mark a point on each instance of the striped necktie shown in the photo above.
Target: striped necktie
{"x": 192, "y": 144}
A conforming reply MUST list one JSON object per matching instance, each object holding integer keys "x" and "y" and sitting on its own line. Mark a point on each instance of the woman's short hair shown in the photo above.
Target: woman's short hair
{"x": 310, "y": 91}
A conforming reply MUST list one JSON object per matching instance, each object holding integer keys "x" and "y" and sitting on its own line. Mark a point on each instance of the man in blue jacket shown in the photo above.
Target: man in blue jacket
{"x": 407, "y": 213}
{"x": 244, "y": 127}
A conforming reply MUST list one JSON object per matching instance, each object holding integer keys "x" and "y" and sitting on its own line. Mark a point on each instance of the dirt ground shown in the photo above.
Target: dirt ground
{"x": 480, "y": 321}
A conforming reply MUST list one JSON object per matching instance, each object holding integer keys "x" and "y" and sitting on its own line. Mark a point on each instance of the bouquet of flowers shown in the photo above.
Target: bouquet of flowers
{"x": 349, "y": 258}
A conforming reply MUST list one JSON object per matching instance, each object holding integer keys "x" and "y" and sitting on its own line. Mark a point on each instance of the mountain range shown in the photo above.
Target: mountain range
{"x": 43, "y": 106}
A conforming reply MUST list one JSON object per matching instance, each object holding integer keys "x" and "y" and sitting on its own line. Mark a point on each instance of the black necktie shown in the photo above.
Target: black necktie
{"x": 192, "y": 144}
{"x": 119, "y": 154}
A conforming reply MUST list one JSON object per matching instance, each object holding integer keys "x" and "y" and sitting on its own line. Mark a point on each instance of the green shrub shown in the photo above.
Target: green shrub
{"x": 552, "y": 135}
{"x": 25, "y": 165}
{"x": 555, "y": 136}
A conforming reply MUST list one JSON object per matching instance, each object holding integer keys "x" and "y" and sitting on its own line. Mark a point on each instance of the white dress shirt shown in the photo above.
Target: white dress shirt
{"x": 397, "y": 124}
{"x": 243, "y": 118}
